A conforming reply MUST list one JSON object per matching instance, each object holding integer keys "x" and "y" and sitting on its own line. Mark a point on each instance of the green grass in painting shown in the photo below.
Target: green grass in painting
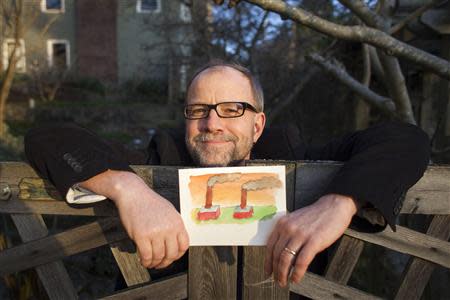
{"x": 226, "y": 215}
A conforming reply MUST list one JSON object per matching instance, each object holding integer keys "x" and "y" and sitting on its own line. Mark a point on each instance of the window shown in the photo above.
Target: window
{"x": 52, "y": 6}
{"x": 185, "y": 12}
{"x": 148, "y": 6}
{"x": 58, "y": 53}
{"x": 8, "y": 47}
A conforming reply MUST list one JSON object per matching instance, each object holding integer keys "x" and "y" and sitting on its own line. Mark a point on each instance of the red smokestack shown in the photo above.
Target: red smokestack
{"x": 208, "y": 202}
{"x": 243, "y": 198}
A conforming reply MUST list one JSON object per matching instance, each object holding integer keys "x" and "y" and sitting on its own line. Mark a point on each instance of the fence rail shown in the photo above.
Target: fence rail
{"x": 216, "y": 272}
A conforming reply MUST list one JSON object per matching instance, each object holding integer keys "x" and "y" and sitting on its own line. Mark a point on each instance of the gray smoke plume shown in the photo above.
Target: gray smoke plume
{"x": 222, "y": 178}
{"x": 266, "y": 182}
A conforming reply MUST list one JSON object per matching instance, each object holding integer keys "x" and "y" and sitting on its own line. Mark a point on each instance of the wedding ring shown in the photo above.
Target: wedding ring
{"x": 290, "y": 251}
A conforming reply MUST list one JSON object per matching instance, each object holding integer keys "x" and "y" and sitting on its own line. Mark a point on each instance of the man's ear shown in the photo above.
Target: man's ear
{"x": 260, "y": 122}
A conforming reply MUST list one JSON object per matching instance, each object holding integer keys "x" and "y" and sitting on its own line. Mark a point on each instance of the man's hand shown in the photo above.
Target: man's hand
{"x": 306, "y": 231}
{"x": 150, "y": 220}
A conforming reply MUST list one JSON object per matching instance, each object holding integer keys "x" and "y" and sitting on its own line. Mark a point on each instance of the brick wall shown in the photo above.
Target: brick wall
{"x": 96, "y": 39}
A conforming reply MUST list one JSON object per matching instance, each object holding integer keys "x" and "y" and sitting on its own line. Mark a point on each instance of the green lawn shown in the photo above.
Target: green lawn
{"x": 226, "y": 215}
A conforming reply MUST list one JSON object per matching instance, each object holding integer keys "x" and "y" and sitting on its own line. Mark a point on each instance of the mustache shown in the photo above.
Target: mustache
{"x": 206, "y": 137}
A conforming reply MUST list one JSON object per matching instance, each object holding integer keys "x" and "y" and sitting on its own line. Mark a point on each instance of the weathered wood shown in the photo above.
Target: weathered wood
{"x": 53, "y": 276}
{"x": 418, "y": 271}
{"x": 52, "y": 207}
{"x": 255, "y": 283}
{"x": 128, "y": 261}
{"x": 54, "y": 247}
{"x": 212, "y": 272}
{"x": 171, "y": 288}
{"x": 316, "y": 287}
{"x": 37, "y": 189}
{"x": 311, "y": 180}
{"x": 344, "y": 259}
{"x": 409, "y": 242}
{"x": 429, "y": 196}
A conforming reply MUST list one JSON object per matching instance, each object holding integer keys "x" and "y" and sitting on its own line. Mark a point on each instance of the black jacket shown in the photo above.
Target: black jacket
{"x": 381, "y": 162}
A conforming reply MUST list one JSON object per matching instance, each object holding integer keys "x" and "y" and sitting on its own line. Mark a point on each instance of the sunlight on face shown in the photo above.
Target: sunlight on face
{"x": 215, "y": 141}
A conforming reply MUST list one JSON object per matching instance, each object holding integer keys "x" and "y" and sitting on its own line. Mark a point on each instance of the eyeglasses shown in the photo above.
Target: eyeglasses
{"x": 223, "y": 110}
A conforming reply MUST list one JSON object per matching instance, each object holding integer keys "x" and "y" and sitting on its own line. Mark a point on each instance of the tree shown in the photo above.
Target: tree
{"x": 374, "y": 30}
{"x": 16, "y": 18}
{"x": 12, "y": 19}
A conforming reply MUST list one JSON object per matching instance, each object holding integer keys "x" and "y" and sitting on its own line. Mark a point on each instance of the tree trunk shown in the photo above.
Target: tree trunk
{"x": 6, "y": 88}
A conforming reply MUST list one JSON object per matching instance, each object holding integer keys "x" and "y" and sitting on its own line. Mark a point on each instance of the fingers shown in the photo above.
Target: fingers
{"x": 285, "y": 263}
{"x": 279, "y": 255}
{"x": 183, "y": 243}
{"x": 171, "y": 252}
{"x": 159, "y": 252}
{"x": 304, "y": 258}
{"x": 144, "y": 247}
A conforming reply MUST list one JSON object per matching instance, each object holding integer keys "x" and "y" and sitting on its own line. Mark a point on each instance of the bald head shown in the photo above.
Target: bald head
{"x": 224, "y": 68}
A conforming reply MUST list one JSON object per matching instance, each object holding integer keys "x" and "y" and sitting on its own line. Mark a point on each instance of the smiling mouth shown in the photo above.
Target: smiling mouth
{"x": 214, "y": 142}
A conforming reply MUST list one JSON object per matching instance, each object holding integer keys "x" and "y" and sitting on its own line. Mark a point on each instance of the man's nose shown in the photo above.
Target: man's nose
{"x": 213, "y": 122}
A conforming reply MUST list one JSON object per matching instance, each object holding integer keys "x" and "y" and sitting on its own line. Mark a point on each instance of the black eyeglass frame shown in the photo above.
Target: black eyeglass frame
{"x": 245, "y": 106}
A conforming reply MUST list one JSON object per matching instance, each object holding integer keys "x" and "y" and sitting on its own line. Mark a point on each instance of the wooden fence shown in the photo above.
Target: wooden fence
{"x": 216, "y": 272}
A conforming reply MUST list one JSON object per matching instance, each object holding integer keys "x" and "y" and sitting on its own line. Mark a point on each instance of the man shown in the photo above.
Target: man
{"x": 224, "y": 119}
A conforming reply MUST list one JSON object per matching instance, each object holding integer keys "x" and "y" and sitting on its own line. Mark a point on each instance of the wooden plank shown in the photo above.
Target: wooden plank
{"x": 409, "y": 242}
{"x": 52, "y": 207}
{"x": 418, "y": 271}
{"x": 344, "y": 259}
{"x": 429, "y": 196}
{"x": 316, "y": 287}
{"x": 37, "y": 189}
{"x": 55, "y": 247}
{"x": 256, "y": 285}
{"x": 53, "y": 276}
{"x": 212, "y": 272}
{"x": 172, "y": 288}
{"x": 128, "y": 261}
{"x": 312, "y": 178}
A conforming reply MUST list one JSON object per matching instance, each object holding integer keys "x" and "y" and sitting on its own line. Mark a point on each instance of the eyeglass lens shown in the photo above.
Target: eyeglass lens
{"x": 224, "y": 110}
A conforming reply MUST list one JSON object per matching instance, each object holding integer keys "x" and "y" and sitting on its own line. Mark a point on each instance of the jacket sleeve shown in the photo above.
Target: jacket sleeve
{"x": 67, "y": 154}
{"x": 381, "y": 164}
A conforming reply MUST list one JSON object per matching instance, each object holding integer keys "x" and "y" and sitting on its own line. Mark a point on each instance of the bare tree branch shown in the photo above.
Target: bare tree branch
{"x": 370, "y": 36}
{"x": 367, "y": 67}
{"x": 384, "y": 104}
{"x": 259, "y": 31}
{"x": 362, "y": 109}
{"x": 366, "y": 15}
{"x": 415, "y": 14}
{"x": 47, "y": 26}
{"x": 395, "y": 81}
{"x": 397, "y": 87}
{"x": 376, "y": 64}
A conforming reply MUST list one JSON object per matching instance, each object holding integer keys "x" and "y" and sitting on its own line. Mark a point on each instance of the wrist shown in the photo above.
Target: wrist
{"x": 122, "y": 184}
{"x": 347, "y": 204}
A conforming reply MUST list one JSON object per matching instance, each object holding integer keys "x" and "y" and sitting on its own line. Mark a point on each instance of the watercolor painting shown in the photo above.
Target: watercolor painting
{"x": 233, "y": 205}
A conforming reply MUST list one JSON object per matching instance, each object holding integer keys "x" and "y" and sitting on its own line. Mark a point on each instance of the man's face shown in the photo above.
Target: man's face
{"x": 215, "y": 141}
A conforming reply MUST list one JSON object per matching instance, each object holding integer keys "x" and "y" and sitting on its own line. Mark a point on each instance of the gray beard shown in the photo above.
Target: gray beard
{"x": 201, "y": 155}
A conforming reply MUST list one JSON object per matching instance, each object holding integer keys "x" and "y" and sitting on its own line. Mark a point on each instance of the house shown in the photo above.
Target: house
{"x": 112, "y": 40}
